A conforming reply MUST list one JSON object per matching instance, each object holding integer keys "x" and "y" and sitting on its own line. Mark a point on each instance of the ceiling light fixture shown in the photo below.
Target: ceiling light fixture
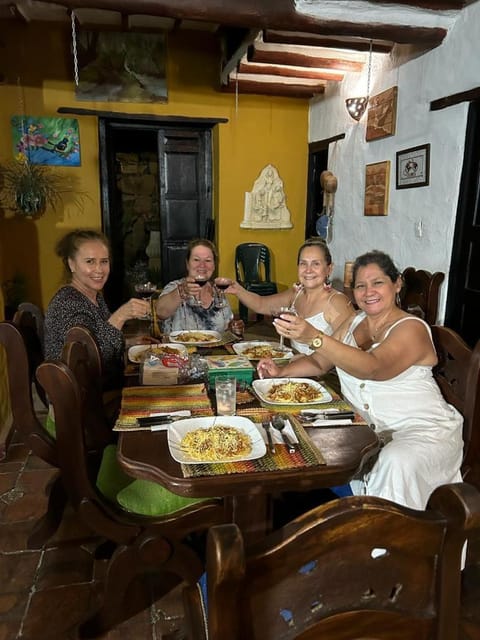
{"x": 356, "y": 107}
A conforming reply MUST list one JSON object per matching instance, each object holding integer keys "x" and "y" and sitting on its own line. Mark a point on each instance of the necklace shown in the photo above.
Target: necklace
{"x": 379, "y": 329}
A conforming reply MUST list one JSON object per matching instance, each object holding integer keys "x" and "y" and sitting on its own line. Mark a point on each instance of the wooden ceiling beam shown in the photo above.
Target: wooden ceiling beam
{"x": 314, "y": 40}
{"x": 252, "y": 86}
{"x": 288, "y": 71}
{"x": 303, "y": 60}
{"x": 266, "y": 14}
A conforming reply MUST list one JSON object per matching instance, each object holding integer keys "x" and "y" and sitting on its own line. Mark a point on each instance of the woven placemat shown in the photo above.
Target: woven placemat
{"x": 142, "y": 401}
{"x": 307, "y": 455}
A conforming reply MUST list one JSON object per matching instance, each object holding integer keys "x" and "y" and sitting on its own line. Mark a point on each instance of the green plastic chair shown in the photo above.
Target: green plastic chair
{"x": 252, "y": 271}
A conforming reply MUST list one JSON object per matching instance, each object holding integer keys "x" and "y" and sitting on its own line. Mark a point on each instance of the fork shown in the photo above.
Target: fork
{"x": 279, "y": 423}
{"x": 266, "y": 426}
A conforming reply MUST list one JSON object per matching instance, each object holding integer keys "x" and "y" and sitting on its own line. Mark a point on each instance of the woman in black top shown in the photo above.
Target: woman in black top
{"x": 86, "y": 256}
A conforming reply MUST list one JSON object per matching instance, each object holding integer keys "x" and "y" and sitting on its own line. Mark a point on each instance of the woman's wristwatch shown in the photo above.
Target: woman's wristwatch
{"x": 317, "y": 341}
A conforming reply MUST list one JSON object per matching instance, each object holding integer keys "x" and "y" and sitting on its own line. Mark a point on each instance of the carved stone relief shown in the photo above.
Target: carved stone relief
{"x": 265, "y": 206}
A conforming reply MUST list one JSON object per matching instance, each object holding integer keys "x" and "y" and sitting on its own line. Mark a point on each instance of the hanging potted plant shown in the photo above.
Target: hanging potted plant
{"x": 29, "y": 188}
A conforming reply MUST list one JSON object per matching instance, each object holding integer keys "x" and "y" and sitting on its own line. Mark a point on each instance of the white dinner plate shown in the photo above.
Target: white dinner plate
{"x": 138, "y": 352}
{"x": 178, "y": 430}
{"x": 182, "y": 337}
{"x": 241, "y": 347}
{"x": 262, "y": 387}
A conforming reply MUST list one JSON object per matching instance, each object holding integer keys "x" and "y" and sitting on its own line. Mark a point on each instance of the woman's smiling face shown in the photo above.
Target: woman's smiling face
{"x": 374, "y": 291}
{"x": 90, "y": 267}
{"x": 313, "y": 269}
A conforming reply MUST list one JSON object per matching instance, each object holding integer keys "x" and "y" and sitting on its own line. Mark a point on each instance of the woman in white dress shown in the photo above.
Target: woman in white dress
{"x": 313, "y": 297}
{"x": 384, "y": 359}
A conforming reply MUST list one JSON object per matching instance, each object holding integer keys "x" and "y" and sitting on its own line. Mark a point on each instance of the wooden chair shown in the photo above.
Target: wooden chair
{"x": 458, "y": 376}
{"x": 20, "y": 371}
{"x": 143, "y": 545}
{"x": 252, "y": 270}
{"x": 30, "y": 319}
{"x": 420, "y": 293}
{"x": 352, "y": 569}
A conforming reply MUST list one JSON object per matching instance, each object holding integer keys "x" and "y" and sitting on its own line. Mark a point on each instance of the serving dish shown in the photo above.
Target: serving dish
{"x": 264, "y": 387}
{"x": 197, "y": 337}
{"x": 277, "y": 352}
{"x": 178, "y": 430}
{"x": 140, "y": 352}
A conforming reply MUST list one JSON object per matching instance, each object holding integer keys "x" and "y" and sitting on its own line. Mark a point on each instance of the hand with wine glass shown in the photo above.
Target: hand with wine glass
{"x": 198, "y": 281}
{"x": 145, "y": 290}
{"x": 282, "y": 318}
{"x": 219, "y": 295}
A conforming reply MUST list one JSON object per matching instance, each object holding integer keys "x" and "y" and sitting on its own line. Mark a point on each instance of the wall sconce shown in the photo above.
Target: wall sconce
{"x": 356, "y": 107}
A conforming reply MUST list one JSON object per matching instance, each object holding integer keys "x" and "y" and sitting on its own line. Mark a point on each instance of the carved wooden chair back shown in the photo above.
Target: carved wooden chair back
{"x": 20, "y": 373}
{"x": 458, "y": 376}
{"x": 420, "y": 293}
{"x": 142, "y": 544}
{"x": 29, "y": 318}
{"x": 355, "y": 568}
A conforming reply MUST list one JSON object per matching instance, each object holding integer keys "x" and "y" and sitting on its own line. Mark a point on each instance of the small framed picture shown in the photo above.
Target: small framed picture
{"x": 413, "y": 167}
{"x": 377, "y": 182}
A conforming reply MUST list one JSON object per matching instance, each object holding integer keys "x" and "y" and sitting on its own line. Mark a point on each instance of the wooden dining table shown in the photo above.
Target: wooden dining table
{"x": 249, "y": 493}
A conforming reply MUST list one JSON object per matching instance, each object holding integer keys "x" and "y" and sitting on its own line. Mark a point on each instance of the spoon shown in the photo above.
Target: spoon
{"x": 279, "y": 423}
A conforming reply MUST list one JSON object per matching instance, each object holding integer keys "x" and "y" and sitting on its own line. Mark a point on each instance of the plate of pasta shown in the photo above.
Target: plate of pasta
{"x": 256, "y": 350}
{"x": 200, "y": 338}
{"x": 215, "y": 439}
{"x": 291, "y": 391}
{"x": 141, "y": 352}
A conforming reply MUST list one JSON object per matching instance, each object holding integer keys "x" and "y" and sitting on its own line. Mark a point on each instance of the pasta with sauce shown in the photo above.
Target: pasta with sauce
{"x": 219, "y": 442}
{"x": 296, "y": 392}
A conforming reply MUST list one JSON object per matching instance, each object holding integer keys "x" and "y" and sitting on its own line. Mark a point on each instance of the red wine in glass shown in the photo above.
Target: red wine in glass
{"x": 145, "y": 290}
{"x": 276, "y": 313}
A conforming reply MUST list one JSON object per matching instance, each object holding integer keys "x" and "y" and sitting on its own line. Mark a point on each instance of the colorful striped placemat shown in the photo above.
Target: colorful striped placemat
{"x": 307, "y": 455}
{"x": 142, "y": 401}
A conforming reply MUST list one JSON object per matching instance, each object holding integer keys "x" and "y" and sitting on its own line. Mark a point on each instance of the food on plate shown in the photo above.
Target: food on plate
{"x": 194, "y": 336}
{"x": 157, "y": 351}
{"x": 293, "y": 392}
{"x": 263, "y": 351}
{"x": 219, "y": 442}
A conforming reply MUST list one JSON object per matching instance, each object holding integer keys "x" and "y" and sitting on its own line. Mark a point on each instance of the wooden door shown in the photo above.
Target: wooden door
{"x": 185, "y": 179}
{"x": 463, "y": 300}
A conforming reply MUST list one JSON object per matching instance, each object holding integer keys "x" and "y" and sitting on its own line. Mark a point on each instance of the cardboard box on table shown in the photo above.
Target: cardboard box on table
{"x": 239, "y": 367}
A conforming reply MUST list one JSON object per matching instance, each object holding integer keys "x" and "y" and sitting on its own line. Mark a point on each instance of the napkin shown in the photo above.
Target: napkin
{"x": 276, "y": 434}
{"x": 328, "y": 423}
{"x": 183, "y": 413}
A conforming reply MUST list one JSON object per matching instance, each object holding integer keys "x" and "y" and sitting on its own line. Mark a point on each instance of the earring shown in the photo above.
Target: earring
{"x": 328, "y": 283}
{"x": 398, "y": 300}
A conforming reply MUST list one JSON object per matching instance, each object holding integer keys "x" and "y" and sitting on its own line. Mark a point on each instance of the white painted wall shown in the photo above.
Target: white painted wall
{"x": 446, "y": 70}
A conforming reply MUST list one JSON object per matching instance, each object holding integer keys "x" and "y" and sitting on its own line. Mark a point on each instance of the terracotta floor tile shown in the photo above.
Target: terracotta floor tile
{"x": 9, "y": 629}
{"x": 25, "y": 507}
{"x": 15, "y": 453}
{"x": 13, "y": 605}
{"x": 14, "y": 535}
{"x": 7, "y": 480}
{"x": 18, "y": 570}
{"x": 64, "y": 566}
{"x": 34, "y": 462}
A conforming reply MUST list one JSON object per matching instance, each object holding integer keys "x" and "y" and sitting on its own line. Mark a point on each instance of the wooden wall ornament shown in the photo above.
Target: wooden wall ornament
{"x": 377, "y": 185}
{"x": 382, "y": 115}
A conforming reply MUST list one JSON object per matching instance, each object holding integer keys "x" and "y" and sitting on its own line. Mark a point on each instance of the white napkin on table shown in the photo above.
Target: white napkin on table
{"x": 327, "y": 423}
{"x": 277, "y": 435}
{"x": 183, "y": 413}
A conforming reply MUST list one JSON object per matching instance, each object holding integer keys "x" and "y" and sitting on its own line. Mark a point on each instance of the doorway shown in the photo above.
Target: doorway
{"x": 463, "y": 299}
{"x": 156, "y": 194}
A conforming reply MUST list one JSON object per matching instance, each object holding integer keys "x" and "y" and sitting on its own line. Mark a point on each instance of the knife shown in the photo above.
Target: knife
{"x": 266, "y": 426}
{"x": 149, "y": 421}
{"x": 326, "y": 415}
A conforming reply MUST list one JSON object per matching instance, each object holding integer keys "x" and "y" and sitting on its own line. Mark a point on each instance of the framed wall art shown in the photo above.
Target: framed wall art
{"x": 382, "y": 115}
{"x": 43, "y": 140}
{"x": 413, "y": 167}
{"x": 377, "y": 184}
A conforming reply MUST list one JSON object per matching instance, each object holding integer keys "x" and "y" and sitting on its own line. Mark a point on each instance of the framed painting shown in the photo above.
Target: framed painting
{"x": 121, "y": 67}
{"x": 52, "y": 141}
{"x": 382, "y": 115}
{"x": 413, "y": 167}
{"x": 377, "y": 183}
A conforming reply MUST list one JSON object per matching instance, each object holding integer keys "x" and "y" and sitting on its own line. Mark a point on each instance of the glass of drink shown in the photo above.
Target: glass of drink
{"x": 201, "y": 280}
{"x": 145, "y": 290}
{"x": 220, "y": 285}
{"x": 276, "y": 313}
{"x": 226, "y": 396}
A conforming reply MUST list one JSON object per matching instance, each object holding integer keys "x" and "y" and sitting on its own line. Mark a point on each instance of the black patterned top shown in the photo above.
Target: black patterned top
{"x": 70, "y": 308}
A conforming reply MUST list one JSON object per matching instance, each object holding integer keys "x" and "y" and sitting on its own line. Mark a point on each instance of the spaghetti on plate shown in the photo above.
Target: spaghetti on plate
{"x": 296, "y": 392}
{"x": 263, "y": 351}
{"x": 193, "y": 336}
{"x": 219, "y": 442}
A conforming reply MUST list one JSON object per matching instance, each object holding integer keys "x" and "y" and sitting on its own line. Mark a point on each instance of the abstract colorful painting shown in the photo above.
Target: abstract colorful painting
{"x": 121, "y": 67}
{"x": 52, "y": 141}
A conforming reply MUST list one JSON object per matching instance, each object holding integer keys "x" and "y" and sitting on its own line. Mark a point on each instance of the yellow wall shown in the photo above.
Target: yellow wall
{"x": 263, "y": 130}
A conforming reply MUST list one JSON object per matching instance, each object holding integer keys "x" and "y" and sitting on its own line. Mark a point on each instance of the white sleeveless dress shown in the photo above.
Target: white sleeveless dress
{"x": 426, "y": 446}
{"x": 319, "y": 322}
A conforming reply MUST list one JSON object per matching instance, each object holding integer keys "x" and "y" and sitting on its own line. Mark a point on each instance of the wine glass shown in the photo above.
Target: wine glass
{"x": 220, "y": 285}
{"x": 277, "y": 312}
{"x": 201, "y": 280}
{"x": 145, "y": 290}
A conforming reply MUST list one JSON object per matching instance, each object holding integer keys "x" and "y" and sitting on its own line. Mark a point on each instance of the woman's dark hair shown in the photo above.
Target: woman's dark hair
{"x": 316, "y": 242}
{"x": 379, "y": 258}
{"x": 68, "y": 246}
{"x": 201, "y": 242}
